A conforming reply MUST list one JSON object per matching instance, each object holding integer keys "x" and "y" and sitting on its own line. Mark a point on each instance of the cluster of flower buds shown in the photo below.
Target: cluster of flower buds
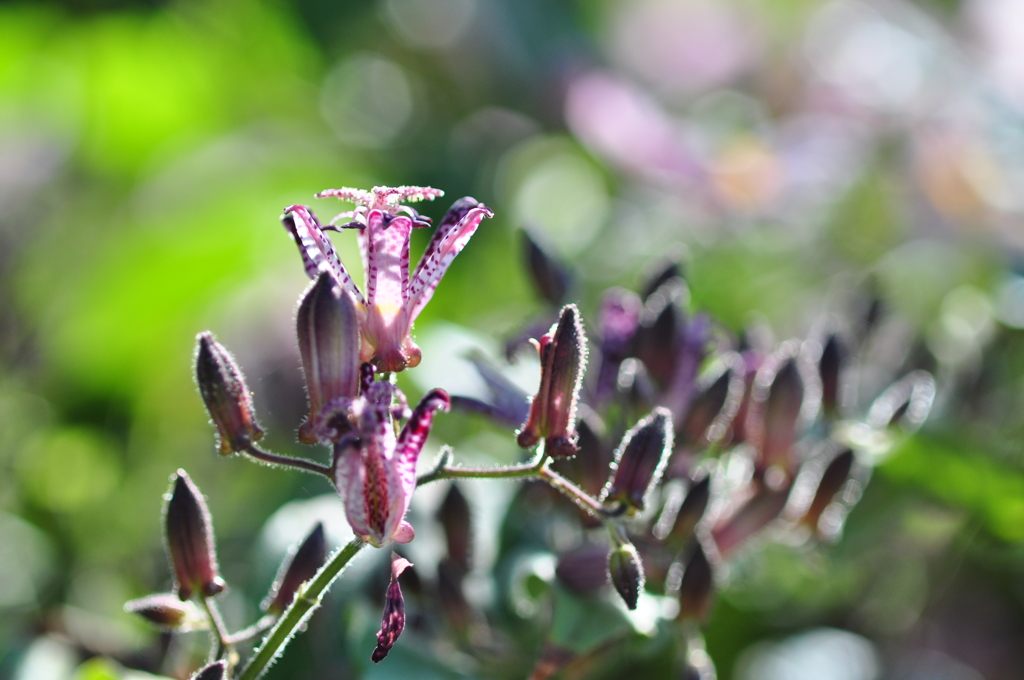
{"x": 715, "y": 405}
{"x": 188, "y": 532}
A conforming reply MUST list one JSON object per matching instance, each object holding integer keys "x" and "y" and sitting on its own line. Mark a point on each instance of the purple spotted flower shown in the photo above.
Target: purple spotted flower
{"x": 375, "y": 470}
{"x": 393, "y": 299}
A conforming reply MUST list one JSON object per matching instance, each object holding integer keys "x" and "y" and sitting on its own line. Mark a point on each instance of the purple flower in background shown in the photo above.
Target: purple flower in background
{"x": 393, "y": 298}
{"x": 375, "y": 471}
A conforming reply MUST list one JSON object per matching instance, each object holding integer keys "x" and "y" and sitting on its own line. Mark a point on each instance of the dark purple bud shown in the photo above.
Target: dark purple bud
{"x": 626, "y": 573}
{"x": 697, "y": 587}
{"x": 301, "y": 565}
{"x": 551, "y": 278}
{"x": 678, "y": 529}
{"x": 830, "y": 368}
{"x": 667, "y": 271}
{"x": 716, "y": 402}
{"x": 659, "y": 335}
{"x": 167, "y": 611}
{"x": 393, "y": 622}
{"x": 328, "y": 332}
{"x": 215, "y": 671}
{"x": 906, "y": 403}
{"x": 190, "y": 540}
{"x": 455, "y": 519}
{"x": 758, "y": 511}
{"x": 226, "y": 397}
{"x": 563, "y": 356}
{"x": 832, "y": 480}
{"x": 510, "y": 405}
{"x": 777, "y": 397}
{"x": 639, "y": 460}
{"x": 583, "y": 569}
{"x": 617, "y": 323}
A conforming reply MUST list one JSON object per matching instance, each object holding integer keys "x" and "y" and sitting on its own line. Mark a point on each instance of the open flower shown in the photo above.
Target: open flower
{"x": 393, "y": 298}
{"x": 375, "y": 471}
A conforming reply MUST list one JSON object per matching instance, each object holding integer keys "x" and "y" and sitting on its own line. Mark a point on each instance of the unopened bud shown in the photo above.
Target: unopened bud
{"x": 626, "y": 572}
{"x": 215, "y": 671}
{"x": 904, "y": 404}
{"x": 551, "y": 278}
{"x": 455, "y": 519}
{"x": 761, "y": 509}
{"x": 640, "y": 459}
{"x": 690, "y": 511}
{"x": 719, "y": 393}
{"x": 393, "y": 622}
{"x": 617, "y": 322}
{"x": 328, "y": 332}
{"x": 697, "y": 587}
{"x": 584, "y": 568}
{"x": 190, "y": 540}
{"x": 298, "y": 568}
{"x": 563, "y": 355}
{"x": 832, "y": 480}
{"x": 167, "y": 611}
{"x": 226, "y": 397}
{"x": 659, "y": 336}
{"x": 777, "y": 399}
{"x": 830, "y": 368}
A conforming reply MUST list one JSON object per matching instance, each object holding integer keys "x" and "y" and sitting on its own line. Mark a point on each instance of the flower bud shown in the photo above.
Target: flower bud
{"x": 328, "y": 332}
{"x": 626, "y": 572}
{"x": 215, "y": 671}
{"x": 690, "y": 512}
{"x": 190, "y": 540}
{"x": 455, "y": 519}
{"x": 832, "y": 480}
{"x": 718, "y": 397}
{"x": 640, "y": 459}
{"x": 226, "y": 397}
{"x": 697, "y": 586}
{"x": 393, "y": 622}
{"x": 904, "y": 404}
{"x": 167, "y": 611}
{"x": 618, "y": 319}
{"x": 298, "y": 568}
{"x": 830, "y": 368}
{"x": 659, "y": 336}
{"x": 551, "y": 278}
{"x": 758, "y": 511}
{"x": 583, "y": 569}
{"x": 563, "y": 355}
{"x": 777, "y": 399}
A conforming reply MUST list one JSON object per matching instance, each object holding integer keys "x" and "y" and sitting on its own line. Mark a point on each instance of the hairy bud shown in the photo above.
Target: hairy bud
{"x": 393, "y": 622}
{"x": 626, "y": 572}
{"x": 167, "y": 611}
{"x": 455, "y": 519}
{"x": 215, "y": 671}
{"x": 226, "y": 397}
{"x": 190, "y": 540}
{"x": 832, "y": 480}
{"x": 640, "y": 459}
{"x": 563, "y": 355}
{"x": 298, "y": 568}
{"x": 328, "y": 330}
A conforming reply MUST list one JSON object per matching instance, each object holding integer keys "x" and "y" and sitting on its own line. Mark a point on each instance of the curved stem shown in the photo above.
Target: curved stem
{"x": 264, "y": 624}
{"x": 288, "y": 461}
{"x": 217, "y": 628}
{"x": 307, "y": 599}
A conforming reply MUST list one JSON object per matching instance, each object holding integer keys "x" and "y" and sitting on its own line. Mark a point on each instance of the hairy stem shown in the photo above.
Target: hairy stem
{"x": 264, "y": 624}
{"x": 288, "y": 461}
{"x": 217, "y": 628}
{"x": 307, "y": 599}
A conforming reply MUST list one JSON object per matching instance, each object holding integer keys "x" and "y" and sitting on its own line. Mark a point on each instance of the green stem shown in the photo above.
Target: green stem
{"x": 288, "y": 461}
{"x": 307, "y": 599}
{"x": 574, "y": 493}
{"x": 217, "y": 628}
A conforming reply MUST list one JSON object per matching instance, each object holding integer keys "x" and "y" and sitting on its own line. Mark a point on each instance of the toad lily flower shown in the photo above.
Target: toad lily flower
{"x": 393, "y": 298}
{"x": 375, "y": 471}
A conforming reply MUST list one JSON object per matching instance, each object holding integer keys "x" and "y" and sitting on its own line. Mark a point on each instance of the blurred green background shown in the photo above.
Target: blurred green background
{"x": 790, "y": 152}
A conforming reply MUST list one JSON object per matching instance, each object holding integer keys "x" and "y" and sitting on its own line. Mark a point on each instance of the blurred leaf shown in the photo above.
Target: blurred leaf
{"x": 582, "y": 623}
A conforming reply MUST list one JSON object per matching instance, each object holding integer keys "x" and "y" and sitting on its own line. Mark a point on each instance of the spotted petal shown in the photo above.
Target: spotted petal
{"x": 452, "y": 235}
{"x": 316, "y": 249}
{"x": 414, "y": 435}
